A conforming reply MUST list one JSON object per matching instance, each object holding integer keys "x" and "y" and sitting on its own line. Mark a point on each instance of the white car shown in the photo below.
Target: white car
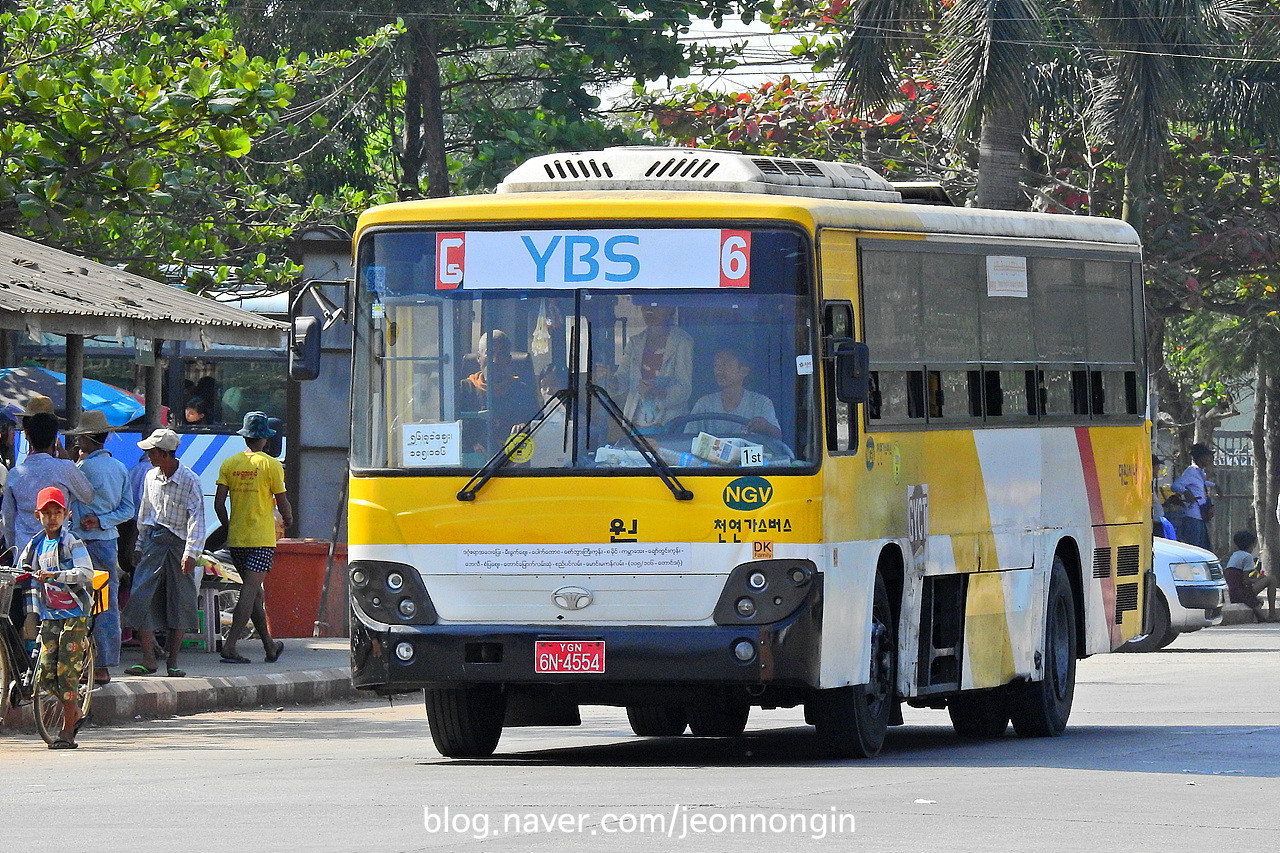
{"x": 1191, "y": 592}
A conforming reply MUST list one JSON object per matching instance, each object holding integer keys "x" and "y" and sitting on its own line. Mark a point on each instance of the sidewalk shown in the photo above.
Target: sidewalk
{"x": 309, "y": 671}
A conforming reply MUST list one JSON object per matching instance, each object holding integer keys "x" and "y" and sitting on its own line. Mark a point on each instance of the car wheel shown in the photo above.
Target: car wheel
{"x": 1161, "y": 633}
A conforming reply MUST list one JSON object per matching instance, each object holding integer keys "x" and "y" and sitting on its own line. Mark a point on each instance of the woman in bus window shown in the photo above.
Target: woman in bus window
{"x": 657, "y": 370}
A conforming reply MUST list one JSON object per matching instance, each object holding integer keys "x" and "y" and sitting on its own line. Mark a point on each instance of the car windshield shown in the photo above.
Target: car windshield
{"x": 711, "y": 377}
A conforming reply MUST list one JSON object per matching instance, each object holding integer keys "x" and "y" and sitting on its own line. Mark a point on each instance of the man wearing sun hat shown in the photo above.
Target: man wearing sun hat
{"x": 171, "y": 537}
{"x": 95, "y": 525}
{"x": 255, "y": 482}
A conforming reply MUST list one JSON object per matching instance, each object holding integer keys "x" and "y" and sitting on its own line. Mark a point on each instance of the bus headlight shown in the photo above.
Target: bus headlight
{"x": 390, "y": 593}
{"x": 789, "y": 583}
{"x": 744, "y": 651}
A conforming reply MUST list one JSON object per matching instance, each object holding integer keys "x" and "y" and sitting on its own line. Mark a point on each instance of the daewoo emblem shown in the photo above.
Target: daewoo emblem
{"x": 572, "y": 598}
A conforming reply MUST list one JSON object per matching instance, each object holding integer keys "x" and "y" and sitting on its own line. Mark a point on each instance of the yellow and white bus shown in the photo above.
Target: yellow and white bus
{"x": 692, "y": 432}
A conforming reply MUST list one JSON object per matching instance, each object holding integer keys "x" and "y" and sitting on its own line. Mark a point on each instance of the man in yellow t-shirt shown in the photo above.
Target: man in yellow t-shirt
{"x": 255, "y": 482}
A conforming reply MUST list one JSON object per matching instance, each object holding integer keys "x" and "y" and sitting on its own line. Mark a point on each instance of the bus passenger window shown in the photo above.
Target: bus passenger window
{"x": 1055, "y": 395}
{"x": 898, "y": 395}
{"x": 1114, "y": 392}
{"x": 954, "y": 395}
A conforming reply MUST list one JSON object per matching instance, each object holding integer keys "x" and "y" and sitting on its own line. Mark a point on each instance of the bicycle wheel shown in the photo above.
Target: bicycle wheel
{"x": 48, "y": 708}
{"x": 6, "y": 679}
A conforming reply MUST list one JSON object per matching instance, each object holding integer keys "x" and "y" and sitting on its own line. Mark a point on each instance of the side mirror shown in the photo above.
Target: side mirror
{"x": 304, "y": 349}
{"x": 853, "y": 372}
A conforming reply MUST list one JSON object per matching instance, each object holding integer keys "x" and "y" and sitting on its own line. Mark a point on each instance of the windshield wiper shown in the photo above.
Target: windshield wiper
{"x": 510, "y": 448}
{"x": 656, "y": 462}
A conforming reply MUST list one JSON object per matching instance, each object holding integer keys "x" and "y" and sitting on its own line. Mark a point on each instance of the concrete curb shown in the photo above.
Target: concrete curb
{"x": 126, "y": 700}
{"x": 1240, "y": 614}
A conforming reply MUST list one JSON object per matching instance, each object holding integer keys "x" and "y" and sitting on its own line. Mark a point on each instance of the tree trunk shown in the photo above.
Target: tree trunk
{"x": 1265, "y": 507}
{"x": 1135, "y": 199}
{"x": 1000, "y": 157}
{"x": 423, "y": 144}
{"x": 1262, "y": 497}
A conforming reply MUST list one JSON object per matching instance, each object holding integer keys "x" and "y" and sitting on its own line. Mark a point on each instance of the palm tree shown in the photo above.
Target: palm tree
{"x": 986, "y": 54}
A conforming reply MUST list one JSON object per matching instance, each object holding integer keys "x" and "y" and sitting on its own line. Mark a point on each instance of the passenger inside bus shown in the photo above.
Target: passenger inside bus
{"x": 753, "y": 412}
{"x": 499, "y": 390}
{"x": 656, "y": 374}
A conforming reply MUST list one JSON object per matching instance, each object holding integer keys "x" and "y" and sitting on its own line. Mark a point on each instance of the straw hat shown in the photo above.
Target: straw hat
{"x": 38, "y": 404}
{"x": 92, "y": 422}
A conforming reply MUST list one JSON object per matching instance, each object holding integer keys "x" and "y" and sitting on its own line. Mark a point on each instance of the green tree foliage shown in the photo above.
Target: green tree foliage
{"x": 473, "y": 87}
{"x": 124, "y": 131}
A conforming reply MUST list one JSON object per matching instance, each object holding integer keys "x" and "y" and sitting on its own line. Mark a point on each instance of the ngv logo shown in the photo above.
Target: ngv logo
{"x": 747, "y": 493}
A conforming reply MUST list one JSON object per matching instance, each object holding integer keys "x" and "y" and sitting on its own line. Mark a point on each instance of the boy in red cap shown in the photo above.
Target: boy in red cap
{"x": 60, "y": 563}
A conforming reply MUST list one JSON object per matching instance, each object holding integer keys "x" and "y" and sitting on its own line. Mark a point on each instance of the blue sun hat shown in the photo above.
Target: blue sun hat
{"x": 256, "y": 425}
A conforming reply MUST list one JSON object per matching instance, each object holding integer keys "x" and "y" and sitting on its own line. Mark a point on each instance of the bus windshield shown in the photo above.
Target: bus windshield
{"x": 698, "y": 342}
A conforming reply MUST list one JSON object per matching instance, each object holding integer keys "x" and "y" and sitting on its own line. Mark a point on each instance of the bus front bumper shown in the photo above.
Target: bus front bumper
{"x": 452, "y": 655}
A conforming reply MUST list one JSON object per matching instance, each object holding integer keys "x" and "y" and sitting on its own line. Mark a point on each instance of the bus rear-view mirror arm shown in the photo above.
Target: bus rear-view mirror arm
{"x": 305, "y": 329}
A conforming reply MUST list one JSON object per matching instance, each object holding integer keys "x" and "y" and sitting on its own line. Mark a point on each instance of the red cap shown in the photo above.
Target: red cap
{"x": 50, "y": 495}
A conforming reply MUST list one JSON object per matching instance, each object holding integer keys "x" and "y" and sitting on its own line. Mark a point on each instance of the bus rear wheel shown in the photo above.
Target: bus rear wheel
{"x": 852, "y": 721}
{"x": 657, "y": 720}
{"x": 466, "y": 722}
{"x": 1041, "y": 708}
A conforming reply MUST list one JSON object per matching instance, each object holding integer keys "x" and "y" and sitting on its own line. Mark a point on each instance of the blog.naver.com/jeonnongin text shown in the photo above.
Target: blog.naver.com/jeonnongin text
{"x": 677, "y": 823}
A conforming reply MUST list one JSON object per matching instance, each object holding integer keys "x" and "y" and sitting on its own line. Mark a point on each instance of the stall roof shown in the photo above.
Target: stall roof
{"x": 48, "y": 290}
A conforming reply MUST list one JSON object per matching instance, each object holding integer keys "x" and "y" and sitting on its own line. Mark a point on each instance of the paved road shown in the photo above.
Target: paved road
{"x": 1177, "y": 750}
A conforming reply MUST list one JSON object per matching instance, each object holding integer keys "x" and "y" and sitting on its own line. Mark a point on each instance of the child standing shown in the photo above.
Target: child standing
{"x": 1245, "y": 578}
{"x": 60, "y": 564}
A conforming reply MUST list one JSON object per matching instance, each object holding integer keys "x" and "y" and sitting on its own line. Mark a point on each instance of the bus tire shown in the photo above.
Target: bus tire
{"x": 851, "y": 722}
{"x": 980, "y": 715}
{"x": 1041, "y": 708}
{"x": 466, "y": 722}
{"x": 1160, "y": 635}
{"x": 722, "y": 718}
{"x": 657, "y": 720}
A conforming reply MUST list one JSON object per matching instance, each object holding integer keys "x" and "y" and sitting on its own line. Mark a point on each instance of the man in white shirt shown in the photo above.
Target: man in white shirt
{"x": 171, "y": 535}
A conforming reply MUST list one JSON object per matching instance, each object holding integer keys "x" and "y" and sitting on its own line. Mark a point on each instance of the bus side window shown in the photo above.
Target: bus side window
{"x": 897, "y": 396}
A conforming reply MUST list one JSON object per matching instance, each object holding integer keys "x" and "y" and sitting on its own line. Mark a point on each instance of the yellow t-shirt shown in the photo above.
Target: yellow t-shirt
{"x": 253, "y": 480}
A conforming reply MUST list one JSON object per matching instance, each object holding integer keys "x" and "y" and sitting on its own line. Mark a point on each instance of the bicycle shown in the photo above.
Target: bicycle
{"x": 18, "y": 683}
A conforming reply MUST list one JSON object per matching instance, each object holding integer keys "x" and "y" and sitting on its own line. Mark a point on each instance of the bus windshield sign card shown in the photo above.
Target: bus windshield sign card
{"x": 565, "y": 260}
{"x": 568, "y": 656}
{"x": 428, "y": 445}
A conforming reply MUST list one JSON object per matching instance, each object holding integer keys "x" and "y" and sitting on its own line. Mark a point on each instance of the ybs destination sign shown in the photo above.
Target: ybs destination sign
{"x": 553, "y": 259}
{"x": 748, "y": 493}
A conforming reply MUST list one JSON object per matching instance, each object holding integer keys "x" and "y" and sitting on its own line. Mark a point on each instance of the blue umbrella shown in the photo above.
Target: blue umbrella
{"x": 20, "y": 384}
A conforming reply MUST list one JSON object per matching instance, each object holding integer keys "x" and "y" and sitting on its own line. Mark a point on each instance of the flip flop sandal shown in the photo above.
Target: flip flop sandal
{"x": 139, "y": 669}
{"x": 235, "y": 659}
{"x": 275, "y": 656}
{"x": 177, "y": 673}
{"x": 63, "y": 743}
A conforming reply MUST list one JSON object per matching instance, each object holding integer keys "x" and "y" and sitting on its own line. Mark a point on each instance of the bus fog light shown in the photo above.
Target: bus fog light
{"x": 404, "y": 651}
{"x": 757, "y": 581}
{"x": 395, "y": 581}
{"x": 376, "y": 601}
{"x": 799, "y": 576}
{"x": 359, "y": 578}
{"x": 407, "y": 607}
{"x": 745, "y": 607}
{"x": 744, "y": 651}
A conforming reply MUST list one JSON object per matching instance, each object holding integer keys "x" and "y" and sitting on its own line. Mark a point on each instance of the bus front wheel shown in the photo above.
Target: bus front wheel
{"x": 466, "y": 722}
{"x": 852, "y": 721}
{"x": 1040, "y": 708}
{"x": 657, "y": 720}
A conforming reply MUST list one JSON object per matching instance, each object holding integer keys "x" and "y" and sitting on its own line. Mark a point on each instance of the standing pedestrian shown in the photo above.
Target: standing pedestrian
{"x": 255, "y": 483}
{"x": 171, "y": 534}
{"x": 1194, "y": 485}
{"x": 40, "y": 470}
{"x": 64, "y": 575}
{"x": 96, "y": 526}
